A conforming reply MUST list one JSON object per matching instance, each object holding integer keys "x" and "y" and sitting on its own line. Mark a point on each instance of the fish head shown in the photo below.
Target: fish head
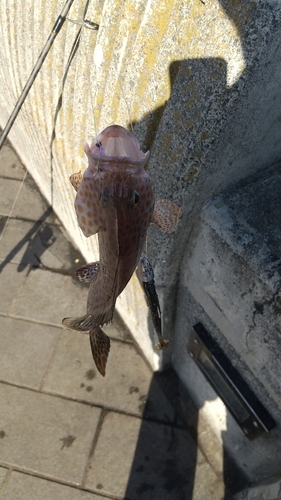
{"x": 115, "y": 147}
{"x": 119, "y": 163}
{"x": 115, "y": 178}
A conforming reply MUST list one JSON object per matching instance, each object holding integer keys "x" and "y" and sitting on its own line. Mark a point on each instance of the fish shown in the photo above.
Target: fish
{"x": 115, "y": 200}
{"x": 147, "y": 277}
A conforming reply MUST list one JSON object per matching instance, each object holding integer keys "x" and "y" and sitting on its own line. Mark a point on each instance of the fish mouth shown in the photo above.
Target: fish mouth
{"x": 116, "y": 145}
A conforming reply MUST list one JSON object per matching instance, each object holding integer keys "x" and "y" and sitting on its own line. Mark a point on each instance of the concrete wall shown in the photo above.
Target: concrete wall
{"x": 201, "y": 84}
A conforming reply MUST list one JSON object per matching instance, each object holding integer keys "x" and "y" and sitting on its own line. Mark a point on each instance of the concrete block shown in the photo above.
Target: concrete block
{"x": 68, "y": 298}
{"x": 268, "y": 491}
{"x": 124, "y": 388}
{"x": 25, "y": 487}
{"x": 236, "y": 262}
{"x": 149, "y": 459}
{"x": 26, "y": 350}
{"x": 3, "y": 474}
{"x": 231, "y": 284}
{"x": 45, "y": 434}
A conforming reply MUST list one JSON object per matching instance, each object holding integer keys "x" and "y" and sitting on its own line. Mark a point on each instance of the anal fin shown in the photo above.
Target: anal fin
{"x": 88, "y": 272}
{"x": 166, "y": 215}
{"x": 100, "y": 346}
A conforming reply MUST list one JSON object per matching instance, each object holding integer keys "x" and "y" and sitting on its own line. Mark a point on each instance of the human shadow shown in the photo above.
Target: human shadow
{"x": 203, "y": 119}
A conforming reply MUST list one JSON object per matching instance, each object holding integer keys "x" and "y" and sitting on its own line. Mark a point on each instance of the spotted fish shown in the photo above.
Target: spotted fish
{"x": 114, "y": 199}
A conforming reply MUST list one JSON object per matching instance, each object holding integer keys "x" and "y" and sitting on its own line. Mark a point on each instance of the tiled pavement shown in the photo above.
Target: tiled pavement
{"x": 65, "y": 431}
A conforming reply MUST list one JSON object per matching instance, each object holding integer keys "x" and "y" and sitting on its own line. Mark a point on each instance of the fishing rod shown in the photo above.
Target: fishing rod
{"x": 55, "y": 31}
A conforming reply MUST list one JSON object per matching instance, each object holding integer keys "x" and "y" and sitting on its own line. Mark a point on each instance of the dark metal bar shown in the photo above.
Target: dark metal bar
{"x": 231, "y": 387}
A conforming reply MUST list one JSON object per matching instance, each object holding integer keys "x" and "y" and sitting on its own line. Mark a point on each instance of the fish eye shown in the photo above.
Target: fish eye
{"x": 137, "y": 197}
{"x": 98, "y": 144}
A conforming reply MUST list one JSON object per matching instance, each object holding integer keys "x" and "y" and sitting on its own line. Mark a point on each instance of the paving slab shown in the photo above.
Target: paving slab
{"x": 207, "y": 485}
{"x": 11, "y": 165}
{"x": 25, "y": 487}
{"x": 46, "y": 434}
{"x": 57, "y": 296}
{"x": 3, "y": 221}
{"x": 30, "y": 204}
{"x": 3, "y": 474}
{"x": 8, "y": 192}
{"x": 142, "y": 459}
{"x": 26, "y": 349}
{"x": 10, "y": 282}
{"x": 125, "y": 386}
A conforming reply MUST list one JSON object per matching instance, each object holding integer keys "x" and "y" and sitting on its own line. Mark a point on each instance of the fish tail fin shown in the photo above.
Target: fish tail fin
{"x": 100, "y": 345}
{"x": 82, "y": 324}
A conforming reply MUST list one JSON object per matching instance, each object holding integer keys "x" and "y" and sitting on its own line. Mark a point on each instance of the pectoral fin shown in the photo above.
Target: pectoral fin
{"x": 88, "y": 272}
{"x": 100, "y": 345}
{"x": 166, "y": 215}
{"x": 75, "y": 180}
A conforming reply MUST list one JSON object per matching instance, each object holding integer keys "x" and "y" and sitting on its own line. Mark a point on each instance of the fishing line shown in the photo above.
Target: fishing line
{"x": 13, "y": 206}
{"x": 97, "y": 57}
